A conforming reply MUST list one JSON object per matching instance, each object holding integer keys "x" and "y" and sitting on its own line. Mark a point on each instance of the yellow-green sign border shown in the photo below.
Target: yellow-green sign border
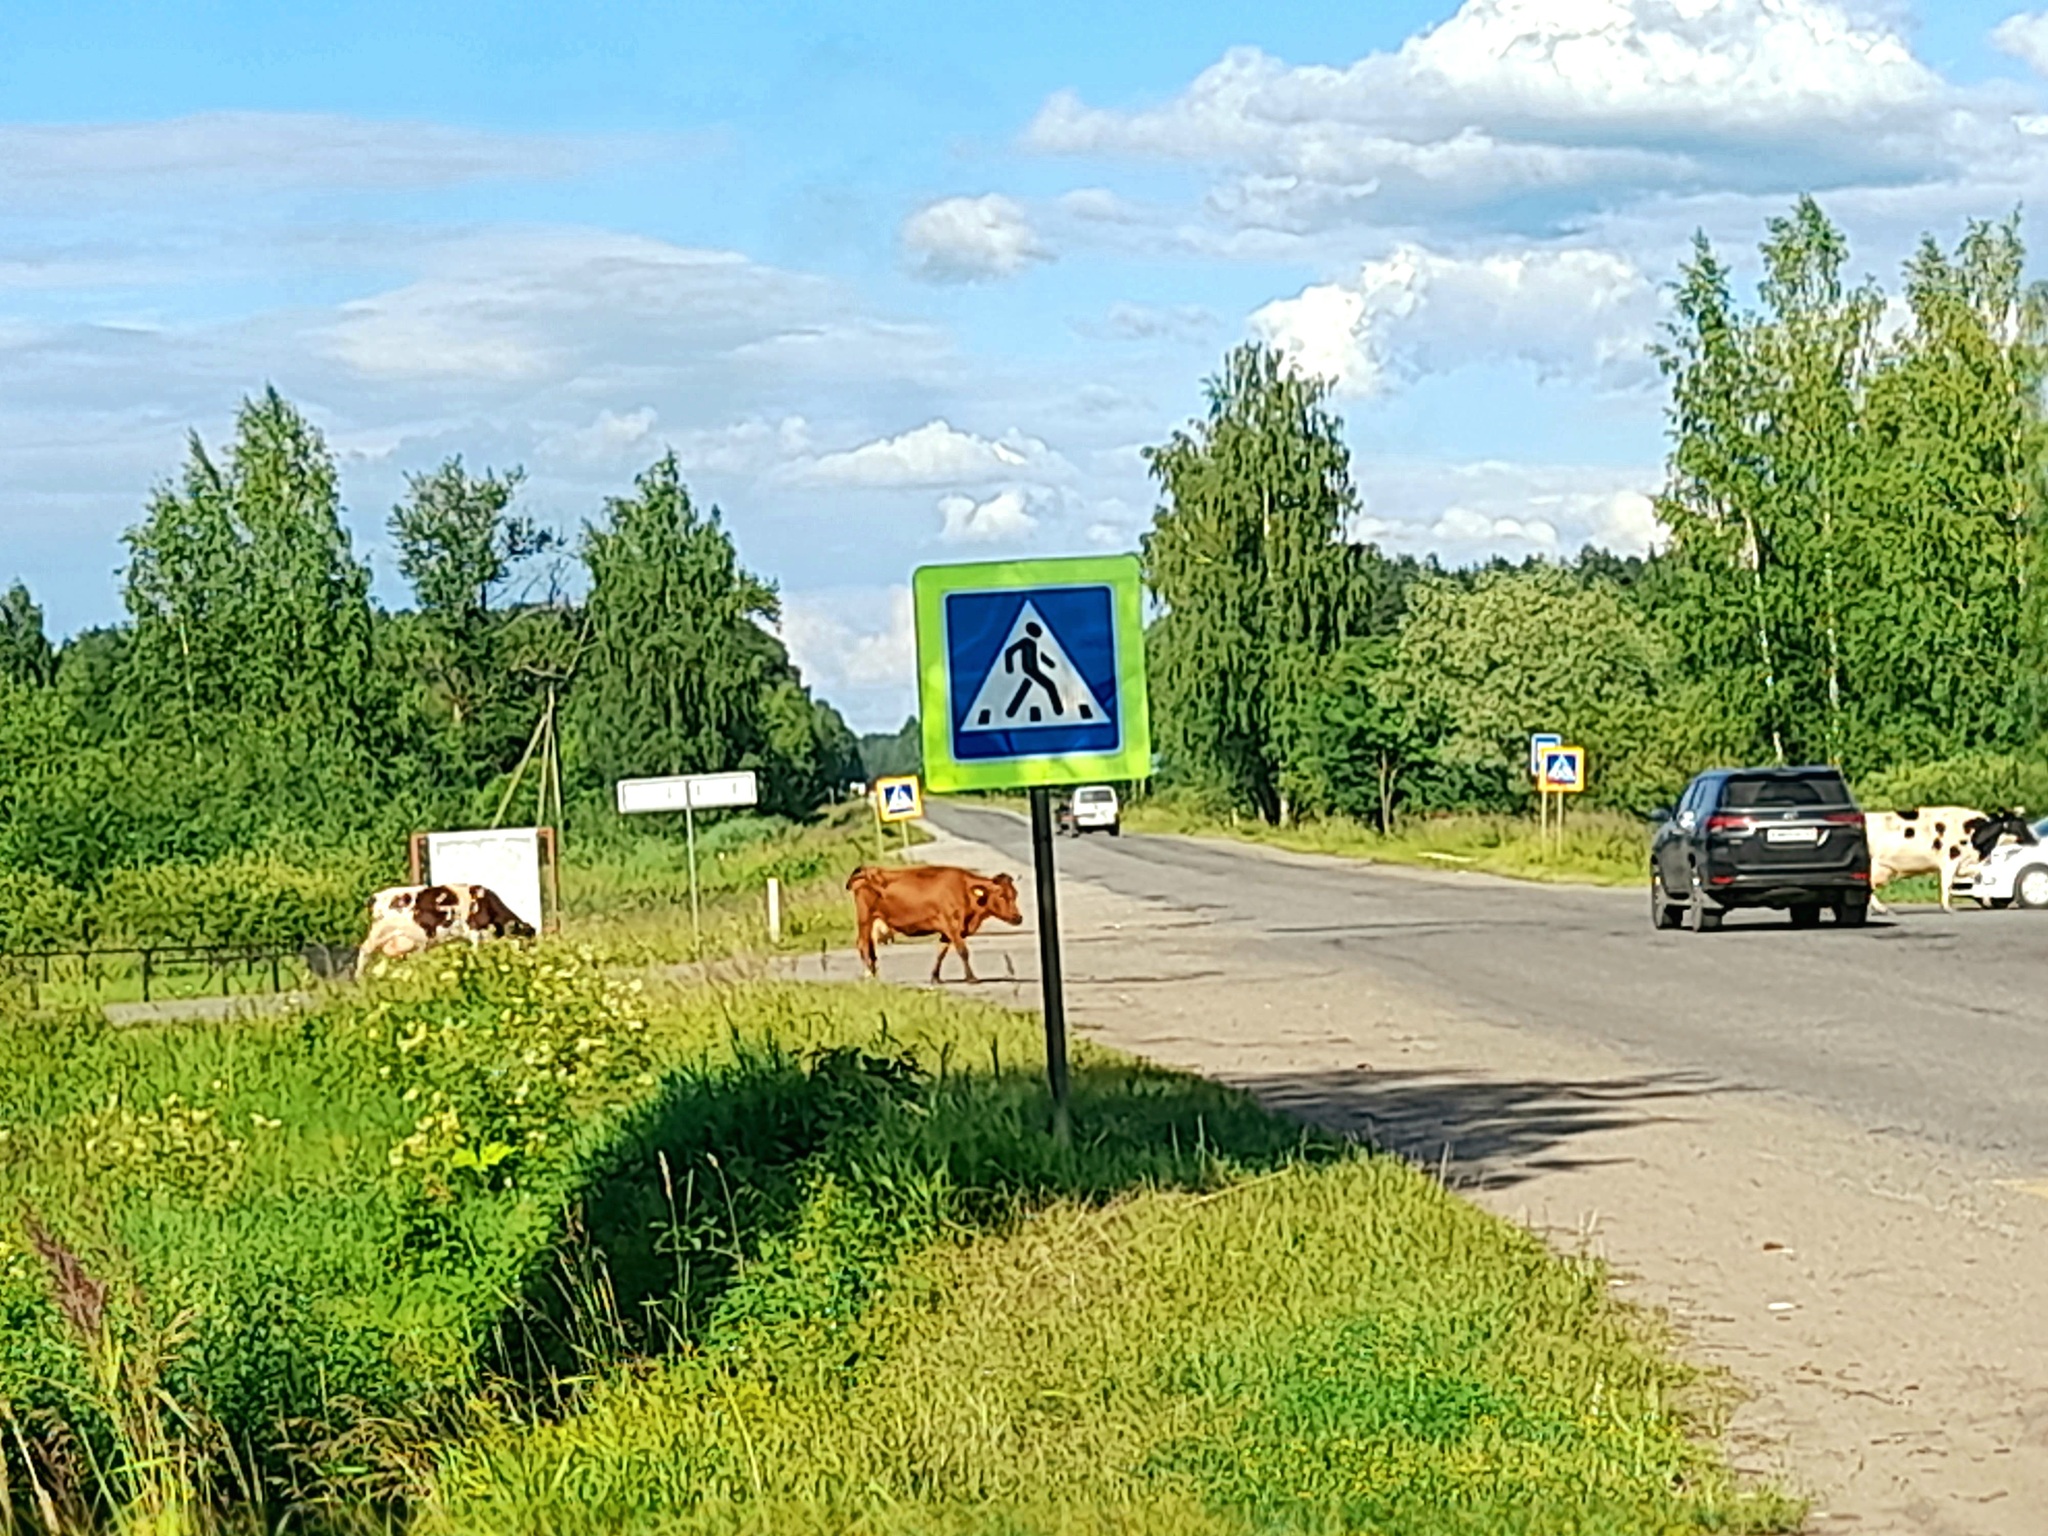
{"x": 930, "y": 587}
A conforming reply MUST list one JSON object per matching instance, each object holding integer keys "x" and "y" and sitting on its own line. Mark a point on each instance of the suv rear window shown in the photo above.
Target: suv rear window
{"x": 1093, "y": 796}
{"x": 1777, "y": 791}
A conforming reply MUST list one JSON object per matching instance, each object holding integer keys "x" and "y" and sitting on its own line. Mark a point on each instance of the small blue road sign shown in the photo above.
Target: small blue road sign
{"x": 1564, "y": 770}
{"x": 1539, "y": 743}
{"x": 898, "y": 799}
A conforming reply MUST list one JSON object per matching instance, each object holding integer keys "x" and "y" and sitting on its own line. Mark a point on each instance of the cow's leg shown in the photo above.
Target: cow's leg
{"x": 864, "y": 941}
{"x": 940, "y": 963}
{"x": 959, "y": 942}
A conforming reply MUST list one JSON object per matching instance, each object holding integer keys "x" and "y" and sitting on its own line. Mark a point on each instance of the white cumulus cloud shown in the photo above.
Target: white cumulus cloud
{"x": 1470, "y": 511}
{"x": 1004, "y": 517}
{"x": 2025, "y": 37}
{"x": 1567, "y": 312}
{"x": 971, "y": 239}
{"x": 1513, "y": 99}
{"x": 936, "y": 453}
{"x": 858, "y": 648}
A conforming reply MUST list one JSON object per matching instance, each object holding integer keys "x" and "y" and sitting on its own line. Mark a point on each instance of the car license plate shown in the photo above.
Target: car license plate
{"x": 1792, "y": 835}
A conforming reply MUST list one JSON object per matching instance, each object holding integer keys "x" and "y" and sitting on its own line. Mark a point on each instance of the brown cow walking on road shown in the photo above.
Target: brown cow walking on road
{"x": 925, "y": 900}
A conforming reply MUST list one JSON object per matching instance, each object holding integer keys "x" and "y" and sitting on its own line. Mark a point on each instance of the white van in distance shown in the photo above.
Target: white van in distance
{"x": 1092, "y": 809}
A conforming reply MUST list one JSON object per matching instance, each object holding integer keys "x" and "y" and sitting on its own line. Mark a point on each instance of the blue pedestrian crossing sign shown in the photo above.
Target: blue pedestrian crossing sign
{"x": 1032, "y": 672}
{"x": 898, "y": 799}
{"x": 1564, "y": 771}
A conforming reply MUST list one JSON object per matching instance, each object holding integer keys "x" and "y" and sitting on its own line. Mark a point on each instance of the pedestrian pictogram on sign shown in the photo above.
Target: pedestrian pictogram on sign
{"x": 1564, "y": 770}
{"x": 898, "y": 799}
{"x": 1034, "y": 684}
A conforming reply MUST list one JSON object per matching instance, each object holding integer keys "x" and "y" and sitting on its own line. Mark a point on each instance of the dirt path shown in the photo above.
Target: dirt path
{"x": 1879, "y": 1297}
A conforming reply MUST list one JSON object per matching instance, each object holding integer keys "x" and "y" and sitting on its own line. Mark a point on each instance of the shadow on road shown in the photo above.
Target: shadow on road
{"x": 1479, "y": 1130}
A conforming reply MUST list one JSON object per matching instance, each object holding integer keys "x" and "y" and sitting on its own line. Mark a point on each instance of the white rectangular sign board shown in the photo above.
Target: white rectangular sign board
{"x": 692, "y": 791}
{"x": 507, "y": 859}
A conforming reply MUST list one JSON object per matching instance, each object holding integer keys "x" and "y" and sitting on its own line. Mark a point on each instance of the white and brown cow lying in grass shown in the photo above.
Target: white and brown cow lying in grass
{"x": 1946, "y": 841}
{"x": 405, "y": 919}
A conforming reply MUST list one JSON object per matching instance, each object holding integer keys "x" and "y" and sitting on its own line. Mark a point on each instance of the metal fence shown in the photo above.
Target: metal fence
{"x": 228, "y": 969}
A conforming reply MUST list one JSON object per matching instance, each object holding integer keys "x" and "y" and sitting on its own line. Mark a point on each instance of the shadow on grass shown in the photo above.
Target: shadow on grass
{"x": 780, "y": 1188}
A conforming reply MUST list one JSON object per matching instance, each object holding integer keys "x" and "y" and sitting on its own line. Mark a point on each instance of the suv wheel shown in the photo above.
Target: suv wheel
{"x": 1853, "y": 912}
{"x": 1806, "y": 915}
{"x": 1701, "y": 915}
{"x": 2030, "y": 886}
{"x": 1664, "y": 912}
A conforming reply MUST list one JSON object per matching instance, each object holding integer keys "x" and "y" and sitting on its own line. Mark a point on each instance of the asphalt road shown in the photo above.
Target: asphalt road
{"x": 1926, "y": 1025}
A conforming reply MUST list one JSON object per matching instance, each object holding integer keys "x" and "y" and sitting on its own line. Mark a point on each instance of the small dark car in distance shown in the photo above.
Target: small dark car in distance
{"x": 1790, "y": 838}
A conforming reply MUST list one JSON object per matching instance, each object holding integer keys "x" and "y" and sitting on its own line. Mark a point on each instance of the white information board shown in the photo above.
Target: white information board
{"x": 689, "y": 792}
{"x": 507, "y": 859}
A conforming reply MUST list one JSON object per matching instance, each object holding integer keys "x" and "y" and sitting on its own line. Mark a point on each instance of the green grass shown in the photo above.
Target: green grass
{"x": 1598, "y": 847}
{"x": 511, "y": 1241}
{"x": 633, "y": 901}
{"x": 1330, "y": 1346}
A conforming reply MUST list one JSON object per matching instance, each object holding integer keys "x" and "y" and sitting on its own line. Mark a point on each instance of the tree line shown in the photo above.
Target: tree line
{"x": 1853, "y": 572}
{"x": 257, "y": 699}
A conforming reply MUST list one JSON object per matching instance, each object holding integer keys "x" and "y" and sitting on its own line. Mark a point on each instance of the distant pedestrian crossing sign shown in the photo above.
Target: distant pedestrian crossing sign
{"x": 898, "y": 799}
{"x": 1031, "y": 672}
{"x": 1564, "y": 770}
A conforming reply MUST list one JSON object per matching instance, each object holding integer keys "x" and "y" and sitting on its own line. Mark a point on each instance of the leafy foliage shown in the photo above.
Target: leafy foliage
{"x": 259, "y": 720}
{"x": 1247, "y": 555}
{"x": 26, "y": 655}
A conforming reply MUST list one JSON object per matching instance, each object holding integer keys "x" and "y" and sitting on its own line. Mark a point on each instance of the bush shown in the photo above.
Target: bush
{"x": 244, "y": 899}
{"x": 36, "y": 912}
{"x": 1985, "y": 781}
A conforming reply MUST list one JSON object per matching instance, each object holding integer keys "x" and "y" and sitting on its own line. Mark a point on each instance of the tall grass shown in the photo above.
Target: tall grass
{"x": 509, "y": 1240}
{"x": 1597, "y": 847}
{"x": 1336, "y": 1346}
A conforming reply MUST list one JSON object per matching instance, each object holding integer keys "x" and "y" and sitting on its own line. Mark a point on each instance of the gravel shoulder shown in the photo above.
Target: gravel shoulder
{"x": 1873, "y": 1277}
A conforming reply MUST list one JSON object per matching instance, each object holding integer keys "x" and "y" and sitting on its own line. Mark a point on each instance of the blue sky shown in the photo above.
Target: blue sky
{"x": 914, "y": 282}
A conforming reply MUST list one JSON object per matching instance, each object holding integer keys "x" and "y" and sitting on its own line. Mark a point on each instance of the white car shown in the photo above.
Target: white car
{"x": 1093, "y": 809}
{"x": 2012, "y": 874}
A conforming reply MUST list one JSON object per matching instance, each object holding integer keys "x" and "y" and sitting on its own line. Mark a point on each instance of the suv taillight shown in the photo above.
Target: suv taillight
{"x": 1729, "y": 824}
{"x": 1843, "y": 818}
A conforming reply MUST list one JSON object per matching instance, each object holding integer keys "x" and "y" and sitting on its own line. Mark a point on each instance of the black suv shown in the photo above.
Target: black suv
{"x": 1760, "y": 837}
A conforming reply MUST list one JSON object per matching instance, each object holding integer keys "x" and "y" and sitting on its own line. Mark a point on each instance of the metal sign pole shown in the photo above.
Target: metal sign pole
{"x": 1049, "y": 960}
{"x": 696, "y": 920}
